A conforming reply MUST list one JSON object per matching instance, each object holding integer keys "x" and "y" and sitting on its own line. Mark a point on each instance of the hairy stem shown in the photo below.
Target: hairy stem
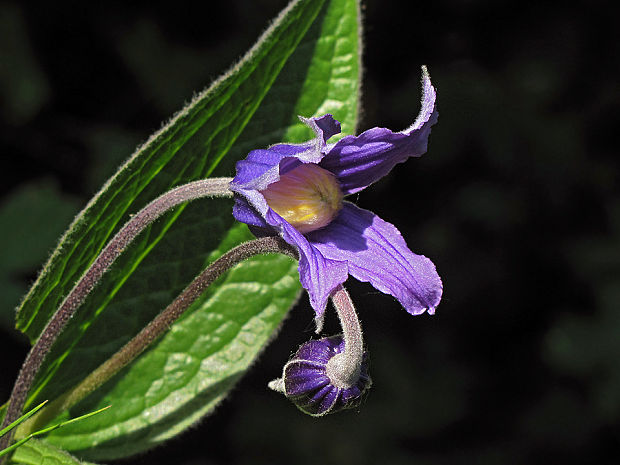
{"x": 213, "y": 187}
{"x": 156, "y": 327}
{"x": 344, "y": 369}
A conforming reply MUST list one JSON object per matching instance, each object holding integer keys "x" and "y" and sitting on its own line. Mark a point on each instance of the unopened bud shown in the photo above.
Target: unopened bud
{"x": 306, "y": 382}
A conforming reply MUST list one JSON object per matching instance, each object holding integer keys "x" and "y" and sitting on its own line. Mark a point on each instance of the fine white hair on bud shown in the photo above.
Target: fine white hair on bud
{"x": 329, "y": 374}
{"x": 306, "y": 380}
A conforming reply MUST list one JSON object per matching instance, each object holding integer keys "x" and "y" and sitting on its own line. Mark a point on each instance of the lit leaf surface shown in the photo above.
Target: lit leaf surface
{"x": 306, "y": 64}
{"x": 36, "y": 452}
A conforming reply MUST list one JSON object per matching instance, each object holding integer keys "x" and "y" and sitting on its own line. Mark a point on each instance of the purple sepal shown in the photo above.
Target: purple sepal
{"x": 364, "y": 246}
{"x": 307, "y": 385}
{"x": 359, "y": 161}
{"x": 376, "y": 253}
{"x": 319, "y": 275}
{"x": 263, "y": 167}
{"x": 243, "y": 212}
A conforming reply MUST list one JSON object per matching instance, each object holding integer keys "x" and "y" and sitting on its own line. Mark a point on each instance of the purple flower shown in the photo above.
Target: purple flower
{"x": 306, "y": 381}
{"x": 297, "y": 190}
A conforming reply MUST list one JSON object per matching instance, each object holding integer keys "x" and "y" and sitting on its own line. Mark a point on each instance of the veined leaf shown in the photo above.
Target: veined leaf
{"x": 307, "y": 63}
{"x": 36, "y": 452}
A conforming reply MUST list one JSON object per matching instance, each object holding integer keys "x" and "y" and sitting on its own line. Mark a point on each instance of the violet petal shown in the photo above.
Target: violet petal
{"x": 262, "y": 167}
{"x": 358, "y": 161}
{"x": 245, "y": 213}
{"x": 320, "y": 350}
{"x": 318, "y": 275}
{"x": 377, "y": 253}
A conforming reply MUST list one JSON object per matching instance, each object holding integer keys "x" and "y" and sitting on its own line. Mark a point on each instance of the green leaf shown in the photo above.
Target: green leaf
{"x": 36, "y": 452}
{"x": 3, "y": 411}
{"x": 194, "y": 365}
{"x": 152, "y": 271}
{"x": 191, "y": 146}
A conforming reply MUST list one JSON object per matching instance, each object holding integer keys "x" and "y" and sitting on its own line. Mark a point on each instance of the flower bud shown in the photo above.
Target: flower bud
{"x": 306, "y": 383}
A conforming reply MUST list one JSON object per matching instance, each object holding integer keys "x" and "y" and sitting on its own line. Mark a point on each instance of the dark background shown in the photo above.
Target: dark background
{"x": 514, "y": 202}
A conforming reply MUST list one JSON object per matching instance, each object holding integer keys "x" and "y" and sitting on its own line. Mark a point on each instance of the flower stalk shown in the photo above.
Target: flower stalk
{"x": 329, "y": 374}
{"x": 343, "y": 369}
{"x": 158, "y": 326}
{"x": 212, "y": 187}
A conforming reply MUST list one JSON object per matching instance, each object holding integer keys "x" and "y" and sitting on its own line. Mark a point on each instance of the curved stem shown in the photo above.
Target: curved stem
{"x": 159, "y": 325}
{"x": 343, "y": 369}
{"x": 213, "y": 187}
